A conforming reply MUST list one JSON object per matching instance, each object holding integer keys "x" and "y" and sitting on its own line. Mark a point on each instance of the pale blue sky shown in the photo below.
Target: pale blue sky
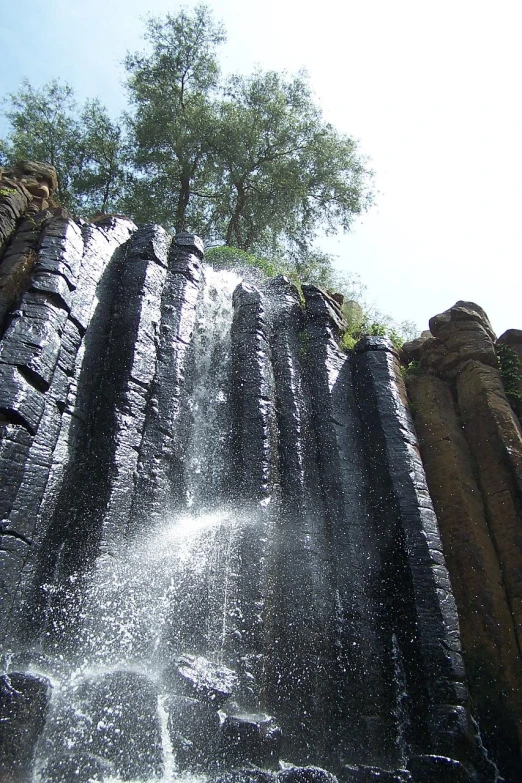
{"x": 431, "y": 90}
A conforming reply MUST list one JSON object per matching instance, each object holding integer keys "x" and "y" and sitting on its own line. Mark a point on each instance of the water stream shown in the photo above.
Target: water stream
{"x": 174, "y": 592}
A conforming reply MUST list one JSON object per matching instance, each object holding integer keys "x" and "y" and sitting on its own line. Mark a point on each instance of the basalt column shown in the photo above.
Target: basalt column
{"x": 160, "y": 486}
{"x": 364, "y": 697}
{"x": 301, "y": 621}
{"x": 254, "y": 472}
{"x": 420, "y": 602}
{"x": 39, "y": 358}
{"x": 107, "y": 419}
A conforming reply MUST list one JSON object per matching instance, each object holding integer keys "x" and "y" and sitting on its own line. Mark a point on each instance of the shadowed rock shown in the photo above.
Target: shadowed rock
{"x": 194, "y": 729}
{"x": 24, "y": 701}
{"x": 252, "y": 738}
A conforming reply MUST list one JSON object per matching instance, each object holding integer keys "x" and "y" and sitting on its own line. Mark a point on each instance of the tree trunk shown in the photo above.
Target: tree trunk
{"x": 183, "y": 200}
{"x": 233, "y": 235}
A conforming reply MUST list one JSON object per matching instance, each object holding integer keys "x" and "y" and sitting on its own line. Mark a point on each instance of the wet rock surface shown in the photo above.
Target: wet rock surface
{"x": 77, "y": 767}
{"x": 194, "y": 729}
{"x": 304, "y": 579}
{"x": 254, "y": 393}
{"x": 24, "y": 701}
{"x": 246, "y": 776}
{"x": 426, "y": 769}
{"x": 199, "y": 678}
{"x": 124, "y": 727}
{"x": 366, "y": 774}
{"x": 305, "y": 775}
{"x": 250, "y": 738}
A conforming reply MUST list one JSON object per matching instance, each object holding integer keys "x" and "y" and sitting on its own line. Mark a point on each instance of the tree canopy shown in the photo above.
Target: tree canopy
{"x": 248, "y": 160}
{"x": 83, "y": 144}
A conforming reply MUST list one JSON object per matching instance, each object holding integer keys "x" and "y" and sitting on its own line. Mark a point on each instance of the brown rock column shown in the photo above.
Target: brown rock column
{"x": 25, "y": 190}
{"x": 471, "y": 445}
{"x": 487, "y": 629}
{"x": 494, "y": 436}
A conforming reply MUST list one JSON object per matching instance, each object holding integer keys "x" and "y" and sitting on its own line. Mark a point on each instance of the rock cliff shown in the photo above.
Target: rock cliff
{"x": 471, "y": 446}
{"x": 218, "y": 540}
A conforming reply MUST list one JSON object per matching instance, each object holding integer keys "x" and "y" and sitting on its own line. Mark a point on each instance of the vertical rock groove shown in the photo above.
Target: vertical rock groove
{"x": 364, "y": 658}
{"x": 161, "y": 453}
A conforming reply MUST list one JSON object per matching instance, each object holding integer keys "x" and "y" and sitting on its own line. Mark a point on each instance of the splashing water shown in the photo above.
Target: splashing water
{"x": 172, "y": 591}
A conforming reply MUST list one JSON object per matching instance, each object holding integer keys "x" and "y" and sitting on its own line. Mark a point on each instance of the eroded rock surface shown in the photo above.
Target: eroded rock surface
{"x": 471, "y": 446}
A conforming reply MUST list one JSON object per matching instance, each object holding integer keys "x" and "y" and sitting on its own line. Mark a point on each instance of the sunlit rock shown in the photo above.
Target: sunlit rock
{"x": 199, "y": 678}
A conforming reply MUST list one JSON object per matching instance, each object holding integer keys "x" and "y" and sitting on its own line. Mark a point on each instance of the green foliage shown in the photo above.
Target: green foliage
{"x": 361, "y": 320}
{"x": 101, "y": 166}
{"x": 45, "y": 128}
{"x": 7, "y": 191}
{"x": 411, "y": 370}
{"x": 364, "y": 321}
{"x": 85, "y": 147}
{"x": 248, "y": 160}
{"x": 233, "y": 257}
{"x": 173, "y": 120}
{"x": 510, "y": 372}
{"x": 284, "y": 173}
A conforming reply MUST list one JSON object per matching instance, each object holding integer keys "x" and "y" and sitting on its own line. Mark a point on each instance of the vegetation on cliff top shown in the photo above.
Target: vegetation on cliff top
{"x": 361, "y": 318}
{"x": 244, "y": 161}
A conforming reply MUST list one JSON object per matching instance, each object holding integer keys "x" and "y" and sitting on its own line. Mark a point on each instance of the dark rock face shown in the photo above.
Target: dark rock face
{"x": 512, "y": 340}
{"x": 125, "y": 728}
{"x": 194, "y": 729}
{"x": 40, "y": 366}
{"x": 24, "y": 701}
{"x": 254, "y": 389}
{"x": 103, "y": 724}
{"x": 428, "y": 768}
{"x": 216, "y": 531}
{"x": 250, "y": 738}
{"x": 365, "y": 774}
{"x": 306, "y": 775}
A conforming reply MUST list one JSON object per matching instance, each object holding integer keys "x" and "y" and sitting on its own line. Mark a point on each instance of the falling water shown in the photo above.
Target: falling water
{"x": 209, "y": 398}
{"x": 174, "y": 591}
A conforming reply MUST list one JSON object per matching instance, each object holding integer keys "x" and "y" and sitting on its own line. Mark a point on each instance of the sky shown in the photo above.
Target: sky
{"x": 430, "y": 89}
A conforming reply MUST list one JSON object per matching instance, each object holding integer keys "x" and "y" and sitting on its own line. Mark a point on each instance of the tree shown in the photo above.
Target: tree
{"x": 45, "y": 128}
{"x": 286, "y": 175}
{"x": 249, "y": 160}
{"x": 172, "y": 92}
{"x": 85, "y": 147}
{"x": 102, "y": 170}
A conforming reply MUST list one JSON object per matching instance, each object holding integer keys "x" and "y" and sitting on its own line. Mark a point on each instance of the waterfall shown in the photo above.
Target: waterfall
{"x": 176, "y": 591}
{"x": 220, "y": 549}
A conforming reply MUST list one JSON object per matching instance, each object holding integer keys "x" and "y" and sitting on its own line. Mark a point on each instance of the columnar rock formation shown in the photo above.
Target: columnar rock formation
{"x": 217, "y": 536}
{"x": 471, "y": 446}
